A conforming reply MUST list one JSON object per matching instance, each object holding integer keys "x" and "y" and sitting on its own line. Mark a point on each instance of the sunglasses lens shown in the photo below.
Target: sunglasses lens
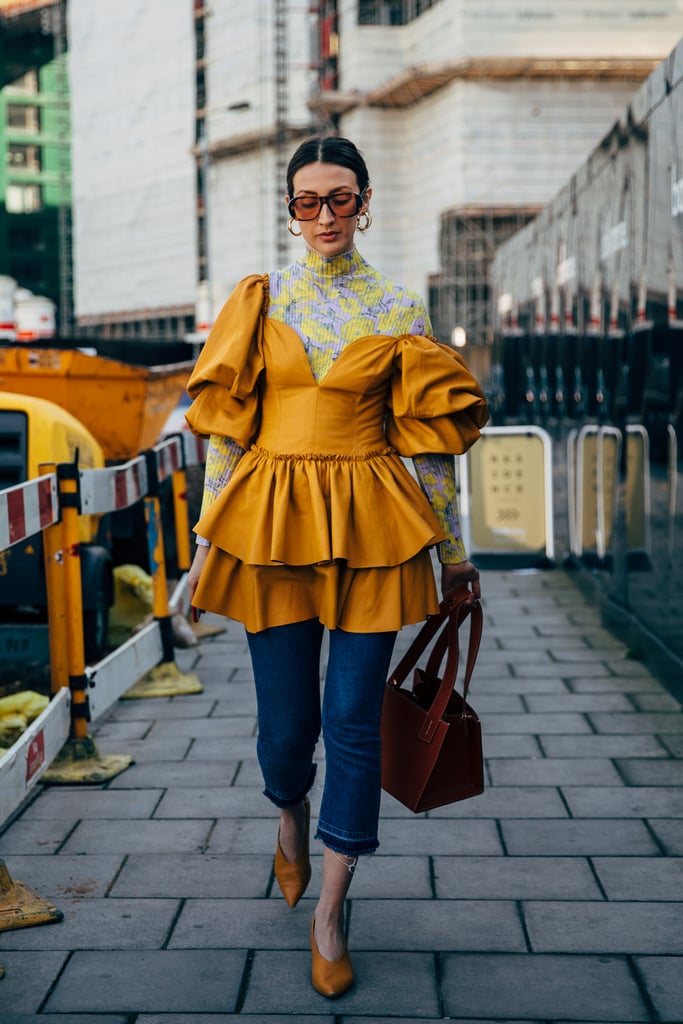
{"x": 344, "y": 204}
{"x": 305, "y": 208}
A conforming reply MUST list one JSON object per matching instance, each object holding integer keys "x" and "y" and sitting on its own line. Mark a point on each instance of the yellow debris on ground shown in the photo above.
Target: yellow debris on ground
{"x": 17, "y": 711}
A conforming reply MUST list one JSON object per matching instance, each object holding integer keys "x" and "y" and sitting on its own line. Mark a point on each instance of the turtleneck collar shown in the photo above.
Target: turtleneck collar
{"x": 332, "y": 266}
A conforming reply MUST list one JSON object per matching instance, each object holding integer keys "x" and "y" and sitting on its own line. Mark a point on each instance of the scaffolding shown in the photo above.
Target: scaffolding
{"x": 459, "y": 295}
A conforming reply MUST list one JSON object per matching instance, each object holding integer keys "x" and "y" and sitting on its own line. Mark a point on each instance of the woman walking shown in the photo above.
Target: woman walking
{"x": 314, "y": 382}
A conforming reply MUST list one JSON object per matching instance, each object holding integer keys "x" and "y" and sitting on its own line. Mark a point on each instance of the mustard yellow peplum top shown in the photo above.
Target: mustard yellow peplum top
{"x": 321, "y": 519}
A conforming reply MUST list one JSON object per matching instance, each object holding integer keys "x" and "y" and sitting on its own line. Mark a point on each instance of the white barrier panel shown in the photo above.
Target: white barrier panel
{"x": 179, "y": 600}
{"x": 27, "y": 759}
{"x": 506, "y": 494}
{"x": 195, "y": 448}
{"x": 114, "y": 488}
{"x": 27, "y": 509}
{"x": 169, "y": 457}
{"x": 116, "y": 673}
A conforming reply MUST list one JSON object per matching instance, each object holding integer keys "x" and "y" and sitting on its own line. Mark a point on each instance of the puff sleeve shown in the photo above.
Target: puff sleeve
{"x": 435, "y": 404}
{"x": 223, "y": 383}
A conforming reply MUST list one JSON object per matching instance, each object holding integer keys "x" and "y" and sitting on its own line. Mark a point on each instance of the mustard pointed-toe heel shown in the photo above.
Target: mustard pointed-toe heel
{"x": 293, "y": 876}
{"x": 331, "y": 978}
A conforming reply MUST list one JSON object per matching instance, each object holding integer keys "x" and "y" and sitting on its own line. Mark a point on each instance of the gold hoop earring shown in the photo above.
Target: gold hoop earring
{"x": 368, "y": 220}
{"x": 297, "y": 234}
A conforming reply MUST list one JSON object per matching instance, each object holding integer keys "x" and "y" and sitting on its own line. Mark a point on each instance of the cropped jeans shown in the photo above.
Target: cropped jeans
{"x": 286, "y": 664}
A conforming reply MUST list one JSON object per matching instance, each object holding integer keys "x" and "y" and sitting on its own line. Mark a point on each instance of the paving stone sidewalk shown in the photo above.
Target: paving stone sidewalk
{"x": 553, "y": 897}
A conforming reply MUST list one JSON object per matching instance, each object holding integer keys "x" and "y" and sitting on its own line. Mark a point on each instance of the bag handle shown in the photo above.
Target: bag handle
{"x": 450, "y": 639}
{"x": 455, "y": 608}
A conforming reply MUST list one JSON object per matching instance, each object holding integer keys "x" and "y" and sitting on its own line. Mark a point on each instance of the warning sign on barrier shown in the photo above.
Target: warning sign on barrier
{"x": 506, "y": 494}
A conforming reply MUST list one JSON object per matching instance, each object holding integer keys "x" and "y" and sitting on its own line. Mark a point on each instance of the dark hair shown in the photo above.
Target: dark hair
{"x": 329, "y": 150}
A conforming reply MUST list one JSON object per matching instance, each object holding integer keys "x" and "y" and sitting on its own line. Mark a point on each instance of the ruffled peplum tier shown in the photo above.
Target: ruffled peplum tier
{"x": 310, "y": 510}
{"x": 356, "y": 600}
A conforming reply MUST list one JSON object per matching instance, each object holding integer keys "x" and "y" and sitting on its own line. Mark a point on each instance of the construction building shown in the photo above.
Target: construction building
{"x": 35, "y": 152}
{"x": 470, "y": 113}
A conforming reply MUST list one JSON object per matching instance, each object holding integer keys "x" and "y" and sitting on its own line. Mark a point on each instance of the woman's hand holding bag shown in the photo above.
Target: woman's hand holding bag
{"x": 431, "y": 738}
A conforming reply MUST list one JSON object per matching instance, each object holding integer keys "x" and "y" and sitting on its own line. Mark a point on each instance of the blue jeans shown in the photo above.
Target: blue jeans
{"x": 286, "y": 663}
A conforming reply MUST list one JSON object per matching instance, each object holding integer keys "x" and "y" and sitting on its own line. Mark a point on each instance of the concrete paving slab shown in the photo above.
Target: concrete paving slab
{"x": 568, "y": 670}
{"x": 536, "y": 724}
{"x": 169, "y": 774}
{"x": 658, "y": 722}
{"x": 244, "y": 836}
{"x": 146, "y": 750}
{"x": 426, "y": 1020}
{"x": 603, "y": 746}
{"x": 557, "y": 838}
{"x": 648, "y": 773}
{"x": 193, "y": 876}
{"x": 227, "y": 1018}
{"x": 243, "y": 923}
{"x": 35, "y": 837}
{"x": 674, "y": 744}
{"x": 609, "y": 684}
{"x": 398, "y": 985}
{"x": 513, "y": 684}
{"x": 493, "y": 656}
{"x": 655, "y": 702}
{"x": 138, "y": 837}
{"x": 670, "y": 834}
{"x": 388, "y": 877}
{"x": 515, "y": 878}
{"x": 28, "y": 979}
{"x": 220, "y": 748}
{"x": 438, "y": 836}
{"x": 604, "y": 927}
{"x": 663, "y": 978}
{"x": 63, "y": 1018}
{"x": 249, "y": 776}
{"x": 554, "y": 771}
{"x": 501, "y": 745}
{"x": 579, "y": 988}
{"x": 641, "y": 878}
{"x": 507, "y": 802}
{"x": 57, "y": 876}
{"x": 496, "y": 702}
{"x": 100, "y": 924}
{"x": 149, "y": 981}
{"x": 197, "y": 729}
{"x": 158, "y": 708}
{"x": 445, "y": 925}
{"x": 77, "y": 803}
{"x": 624, "y": 802}
{"x": 122, "y": 730}
{"x": 214, "y": 802}
{"x": 579, "y": 702}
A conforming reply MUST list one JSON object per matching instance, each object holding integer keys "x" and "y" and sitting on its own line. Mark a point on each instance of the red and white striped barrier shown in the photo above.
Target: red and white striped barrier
{"x": 195, "y": 448}
{"x": 114, "y": 488}
{"x": 169, "y": 457}
{"x": 27, "y": 509}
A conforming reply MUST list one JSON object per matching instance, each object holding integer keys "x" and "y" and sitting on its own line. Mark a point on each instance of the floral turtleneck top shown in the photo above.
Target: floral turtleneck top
{"x": 330, "y": 301}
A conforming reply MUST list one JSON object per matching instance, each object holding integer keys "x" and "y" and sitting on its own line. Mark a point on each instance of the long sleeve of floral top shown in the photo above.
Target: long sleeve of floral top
{"x": 330, "y": 301}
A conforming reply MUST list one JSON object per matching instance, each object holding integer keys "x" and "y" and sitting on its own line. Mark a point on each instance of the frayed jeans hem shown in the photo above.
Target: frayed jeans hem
{"x": 351, "y": 847}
